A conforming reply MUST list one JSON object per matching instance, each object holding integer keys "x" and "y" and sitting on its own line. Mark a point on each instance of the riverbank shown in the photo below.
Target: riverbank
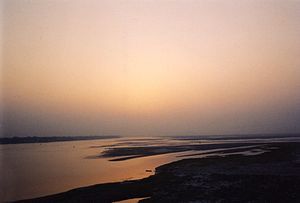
{"x": 269, "y": 177}
{"x": 34, "y": 139}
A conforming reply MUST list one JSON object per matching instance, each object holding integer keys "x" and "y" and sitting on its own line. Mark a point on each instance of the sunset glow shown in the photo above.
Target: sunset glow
{"x": 150, "y": 67}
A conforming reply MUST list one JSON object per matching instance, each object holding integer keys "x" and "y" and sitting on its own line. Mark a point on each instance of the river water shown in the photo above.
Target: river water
{"x": 33, "y": 170}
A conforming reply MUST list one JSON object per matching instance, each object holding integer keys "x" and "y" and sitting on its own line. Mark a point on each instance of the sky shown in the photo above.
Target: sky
{"x": 146, "y": 67}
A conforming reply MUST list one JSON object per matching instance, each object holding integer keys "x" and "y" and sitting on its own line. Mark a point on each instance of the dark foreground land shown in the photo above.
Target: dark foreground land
{"x": 270, "y": 177}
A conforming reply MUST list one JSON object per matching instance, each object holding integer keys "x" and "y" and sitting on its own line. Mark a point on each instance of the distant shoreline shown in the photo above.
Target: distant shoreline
{"x": 40, "y": 139}
{"x": 35, "y": 139}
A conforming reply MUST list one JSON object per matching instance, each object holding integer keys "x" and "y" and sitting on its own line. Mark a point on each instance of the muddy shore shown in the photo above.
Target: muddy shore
{"x": 273, "y": 176}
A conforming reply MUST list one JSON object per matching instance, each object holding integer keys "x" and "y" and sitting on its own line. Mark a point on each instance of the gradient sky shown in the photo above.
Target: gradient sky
{"x": 146, "y": 67}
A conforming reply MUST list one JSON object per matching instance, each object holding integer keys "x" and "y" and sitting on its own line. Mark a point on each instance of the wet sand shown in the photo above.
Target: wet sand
{"x": 125, "y": 153}
{"x": 273, "y": 176}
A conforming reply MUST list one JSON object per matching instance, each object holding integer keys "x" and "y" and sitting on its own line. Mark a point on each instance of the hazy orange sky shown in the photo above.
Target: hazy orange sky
{"x": 146, "y": 67}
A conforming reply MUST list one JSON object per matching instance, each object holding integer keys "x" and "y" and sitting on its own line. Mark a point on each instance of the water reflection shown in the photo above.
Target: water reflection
{"x": 32, "y": 170}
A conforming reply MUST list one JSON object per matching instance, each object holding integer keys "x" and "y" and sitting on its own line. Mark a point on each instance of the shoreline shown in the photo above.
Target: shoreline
{"x": 35, "y": 139}
{"x": 271, "y": 176}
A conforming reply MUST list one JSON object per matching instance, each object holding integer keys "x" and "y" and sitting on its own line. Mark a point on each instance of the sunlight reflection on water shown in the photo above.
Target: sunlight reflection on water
{"x": 32, "y": 170}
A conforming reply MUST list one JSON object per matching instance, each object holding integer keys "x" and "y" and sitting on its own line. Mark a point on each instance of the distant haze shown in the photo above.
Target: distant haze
{"x": 146, "y": 67}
